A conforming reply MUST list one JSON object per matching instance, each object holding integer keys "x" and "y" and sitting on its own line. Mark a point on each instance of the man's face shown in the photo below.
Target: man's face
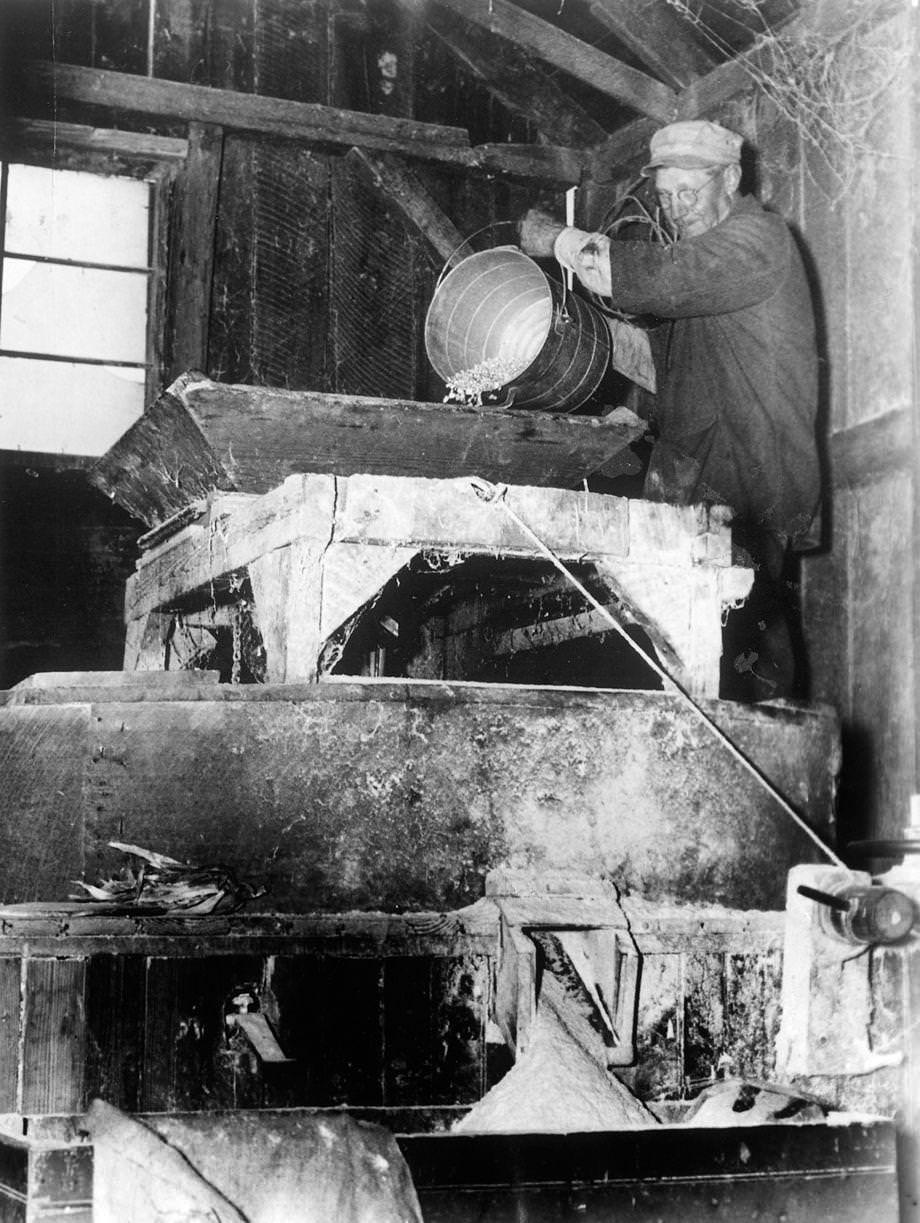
{"x": 694, "y": 200}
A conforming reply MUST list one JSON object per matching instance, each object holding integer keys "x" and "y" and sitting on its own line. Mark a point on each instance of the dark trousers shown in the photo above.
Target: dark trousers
{"x": 762, "y": 653}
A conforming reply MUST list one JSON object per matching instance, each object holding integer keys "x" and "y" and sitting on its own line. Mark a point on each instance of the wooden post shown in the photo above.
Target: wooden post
{"x": 286, "y": 588}
{"x": 192, "y": 251}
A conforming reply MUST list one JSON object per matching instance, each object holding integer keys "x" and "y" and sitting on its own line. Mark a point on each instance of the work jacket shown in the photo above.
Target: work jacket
{"x": 737, "y": 369}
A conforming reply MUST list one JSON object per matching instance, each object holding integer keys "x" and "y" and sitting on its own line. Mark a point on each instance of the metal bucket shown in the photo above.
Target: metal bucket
{"x": 497, "y": 306}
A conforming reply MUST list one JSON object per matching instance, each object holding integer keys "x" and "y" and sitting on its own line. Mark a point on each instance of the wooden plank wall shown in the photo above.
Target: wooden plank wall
{"x": 147, "y": 1032}
{"x": 861, "y": 593}
{"x": 401, "y": 1032}
{"x": 318, "y": 283}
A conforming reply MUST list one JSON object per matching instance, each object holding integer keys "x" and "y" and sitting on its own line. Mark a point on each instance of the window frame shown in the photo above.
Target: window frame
{"x": 156, "y": 160}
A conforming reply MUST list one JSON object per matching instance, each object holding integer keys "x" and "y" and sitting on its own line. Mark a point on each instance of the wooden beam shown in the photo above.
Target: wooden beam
{"x": 657, "y": 36}
{"x": 74, "y": 929}
{"x": 234, "y": 109}
{"x": 389, "y": 174}
{"x": 545, "y": 633}
{"x": 202, "y": 435}
{"x": 626, "y": 148}
{"x": 586, "y": 63}
{"x": 700, "y": 98}
{"x": 871, "y": 449}
{"x": 192, "y": 250}
{"x": 304, "y": 121}
{"x": 515, "y": 79}
{"x": 27, "y": 135}
{"x": 709, "y": 92}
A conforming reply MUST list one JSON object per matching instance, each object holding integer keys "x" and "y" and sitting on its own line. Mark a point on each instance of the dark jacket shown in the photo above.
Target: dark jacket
{"x": 737, "y": 380}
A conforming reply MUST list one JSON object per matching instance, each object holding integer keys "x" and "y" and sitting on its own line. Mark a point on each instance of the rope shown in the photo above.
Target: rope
{"x": 495, "y": 494}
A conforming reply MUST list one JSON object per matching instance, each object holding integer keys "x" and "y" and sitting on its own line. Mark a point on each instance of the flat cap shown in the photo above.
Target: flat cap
{"x": 693, "y": 144}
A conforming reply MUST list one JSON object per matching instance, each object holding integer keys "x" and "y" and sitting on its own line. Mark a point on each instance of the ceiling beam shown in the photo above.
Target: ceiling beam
{"x": 701, "y": 98}
{"x": 304, "y": 121}
{"x": 657, "y": 36}
{"x": 519, "y": 82}
{"x": 579, "y": 59}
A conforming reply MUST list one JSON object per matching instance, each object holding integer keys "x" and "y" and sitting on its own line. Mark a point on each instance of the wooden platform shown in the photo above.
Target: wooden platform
{"x": 202, "y": 435}
{"x": 388, "y": 794}
{"x": 317, "y": 549}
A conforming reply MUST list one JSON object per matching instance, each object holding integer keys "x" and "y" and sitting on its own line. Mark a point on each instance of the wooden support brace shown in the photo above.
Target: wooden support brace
{"x": 287, "y": 592}
{"x": 390, "y": 175}
{"x": 192, "y": 249}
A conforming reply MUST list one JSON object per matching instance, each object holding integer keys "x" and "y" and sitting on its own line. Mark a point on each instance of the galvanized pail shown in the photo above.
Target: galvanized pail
{"x": 498, "y": 308}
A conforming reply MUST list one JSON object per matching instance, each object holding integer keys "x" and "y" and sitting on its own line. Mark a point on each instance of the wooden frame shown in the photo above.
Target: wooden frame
{"x": 157, "y": 160}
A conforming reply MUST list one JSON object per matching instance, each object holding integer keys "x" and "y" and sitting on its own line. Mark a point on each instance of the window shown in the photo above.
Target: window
{"x": 74, "y": 289}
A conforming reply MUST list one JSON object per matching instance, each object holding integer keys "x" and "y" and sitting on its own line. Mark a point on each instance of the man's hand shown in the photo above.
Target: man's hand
{"x": 538, "y": 231}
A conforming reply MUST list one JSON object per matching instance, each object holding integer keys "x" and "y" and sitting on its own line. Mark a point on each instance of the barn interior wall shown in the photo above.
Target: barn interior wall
{"x": 860, "y": 591}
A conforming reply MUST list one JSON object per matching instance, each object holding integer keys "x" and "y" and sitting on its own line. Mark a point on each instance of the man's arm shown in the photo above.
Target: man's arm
{"x": 733, "y": 265}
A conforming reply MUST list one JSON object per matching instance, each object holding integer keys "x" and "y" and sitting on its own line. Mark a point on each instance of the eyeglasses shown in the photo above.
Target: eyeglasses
{"x": 687, "y": 196}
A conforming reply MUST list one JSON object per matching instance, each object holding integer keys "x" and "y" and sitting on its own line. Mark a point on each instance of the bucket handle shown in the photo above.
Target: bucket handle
{"x": 475, "y": 234}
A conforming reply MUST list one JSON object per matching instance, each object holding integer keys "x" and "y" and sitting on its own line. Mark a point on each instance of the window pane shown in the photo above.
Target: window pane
{"x": 64, "y": 408}
{"x": 67, "y": 214}
{"x": 74, "y": 312}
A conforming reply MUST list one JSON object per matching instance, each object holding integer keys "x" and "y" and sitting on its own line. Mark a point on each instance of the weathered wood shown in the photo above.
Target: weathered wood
{"x": 453, "y": 780}
{"x": 41, "y": 795}
{"x": 752, "y": 1013}
{"x": 192, "y": 250}
{"x": 153, "y": 684}
{"x": 338, "y": 1046}
{"x": 624, "y": 151}
{"x": 882, "y": 653}
{"x": 657, "y": 36}
{"x": 872, "y": 448}
{"x": 54, "y": 1036}
{"x": 115, "y": 1006}
{"x": 146, "y": 640}
{"x": 303, "y": 121}
{"x": 311, "y": 532}
{"x": 46, "y": 1181}
{"x": 287, "y": 613}
{"x": 184, "y": 1056}
{"x": 391, "y": 176}
{"x": 643, "y": 93}
{"x": 515, "y": 986}
{"x": 659, "y": 1024}
{"x": 10, "y": 1031}
{"x": 550, "y": 632}
{"x": 707, "y": 93}
{"x": 374, "y": 337}
{"x": 162, "y": 463}
{"x": 237, "y": 110}
{"x": 49, "y": 135}
{"x": 76, "y": 928}
{"x": 201, "y": 436}
{"x": 518, "y": 81}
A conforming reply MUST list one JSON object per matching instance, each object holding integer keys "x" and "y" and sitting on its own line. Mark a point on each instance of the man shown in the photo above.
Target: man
{"x": 737, "y": 381}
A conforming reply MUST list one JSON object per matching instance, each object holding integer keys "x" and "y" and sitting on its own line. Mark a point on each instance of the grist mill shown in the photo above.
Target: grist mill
{"x": 459, "y": 697}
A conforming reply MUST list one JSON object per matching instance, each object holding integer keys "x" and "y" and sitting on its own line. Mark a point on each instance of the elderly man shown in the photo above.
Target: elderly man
{"x": 737, "y": 378}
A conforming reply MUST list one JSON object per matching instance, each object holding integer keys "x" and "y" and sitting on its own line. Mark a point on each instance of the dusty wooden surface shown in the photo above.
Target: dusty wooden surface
{"x": 393, "y": 795}
{"x": 318, "y": 550}
{"x": 202, "y": 436}
{"x": 402, "y": 1028}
